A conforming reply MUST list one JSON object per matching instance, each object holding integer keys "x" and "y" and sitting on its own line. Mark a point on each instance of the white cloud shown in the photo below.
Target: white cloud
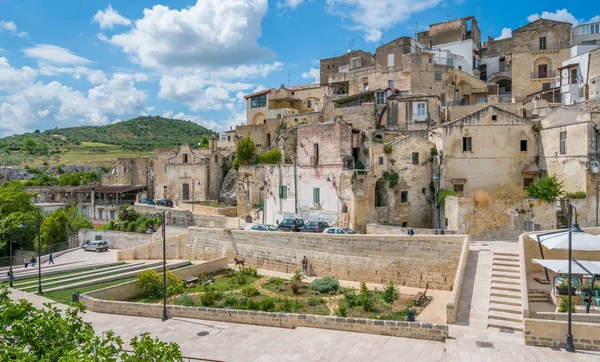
{"x": 370, "y": 17}
{"x": 11, "y": 27}
{"x": 506, "y": 33}
{"x": 210, "y": 33}
{"x": 13, "y": 79}
{"x": 314, "y": 75}
{"x": 108, "y": 18}
{"x": 292, "y": 4}
{"x": 94, "y": 76}
{"x": 595, "y": 19}
{"x": 559, "y": 15}
{"x": 54, "y": 54}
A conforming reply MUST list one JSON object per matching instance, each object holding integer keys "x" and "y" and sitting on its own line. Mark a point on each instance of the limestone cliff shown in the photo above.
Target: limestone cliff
{"x": 228, "y": 194}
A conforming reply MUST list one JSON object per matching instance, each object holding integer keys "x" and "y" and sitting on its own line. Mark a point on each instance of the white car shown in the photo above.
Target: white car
{"x": 339, "y": 231}
{"x": 263, "y": 227}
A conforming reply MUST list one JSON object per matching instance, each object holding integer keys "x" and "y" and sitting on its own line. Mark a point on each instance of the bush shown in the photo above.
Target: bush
{"x": 286, "y": 305}
{"x": 325, "y": 284}
{"x": 245, "y": 150}
{"x": 186, "y": 300}
{"x": 392, "y": 178}
{"x": 295, "y": 287}
{"x": 252, "y": 304}
{"x": 482, "y": 198}
{"x": 342, "y": 310}
{"x": 575, "y": 195}
{"x": 365, "y": 298}
{"x": 267, "y": 305}
{"x": 208, "y": 299}
{"x": 230, "y": 300}
{"x": 390, "y": 293}
{"x": 441, "y": 197}
{"x": 548, "y": 189}
{"x": 512, "y": 193}
{"x": 388, "y": 149}
{"x": 297, "y": 277}
{"x": 270, "y": 157}
{"x": 312, "y": 301}
{"x": 236, "y": 163}
{"x": 249, "y": 272}
{"x": 150, "y": 284}
{"x": 275, "y": 281}
{"x": 250, "y": 291}
{"x": 564, "y": 305}
{"x": 350, "y": 298}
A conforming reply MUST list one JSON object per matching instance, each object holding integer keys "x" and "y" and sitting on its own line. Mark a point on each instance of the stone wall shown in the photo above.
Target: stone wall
{"x": 418, "y": 330}
{"x": 154, "y": 250}
{"x": 546, "y": 333}
{"x": 411, "y": 261}
{"x": 381, "y": 229}
{"x": 594, "y": 74}
{"x": 115, "y": 239}
{"x": 202, "y": 209}
{"x": 453, "y": 303}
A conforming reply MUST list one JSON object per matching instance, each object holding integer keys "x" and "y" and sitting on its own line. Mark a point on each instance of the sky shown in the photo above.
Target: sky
{"x": 65, "y": 63}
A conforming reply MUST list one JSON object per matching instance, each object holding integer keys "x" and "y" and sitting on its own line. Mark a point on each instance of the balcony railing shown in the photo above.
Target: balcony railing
{"x": 544, "y": 75}
{"x": 535, "y": 47}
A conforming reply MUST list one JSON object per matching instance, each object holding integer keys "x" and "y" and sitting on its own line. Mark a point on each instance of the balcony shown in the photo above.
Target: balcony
{"x": 545, "y": 75}
{"x": 535, "y": 47}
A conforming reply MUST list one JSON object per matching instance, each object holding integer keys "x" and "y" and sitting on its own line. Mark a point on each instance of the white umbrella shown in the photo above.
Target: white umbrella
{"x": 560, "y": 240}
{"x": 562, "y": 266}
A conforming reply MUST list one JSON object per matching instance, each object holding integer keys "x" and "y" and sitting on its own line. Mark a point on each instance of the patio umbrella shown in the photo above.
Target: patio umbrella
{"x": 560, "y": 240}
{"x": 577, "y": 267}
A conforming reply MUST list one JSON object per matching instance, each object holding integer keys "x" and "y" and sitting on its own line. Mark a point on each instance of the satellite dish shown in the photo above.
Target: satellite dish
{"x": 349, "y": 50}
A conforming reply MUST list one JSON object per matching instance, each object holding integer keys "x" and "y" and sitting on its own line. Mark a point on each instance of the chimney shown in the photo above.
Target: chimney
{"x": 212, "y": 142}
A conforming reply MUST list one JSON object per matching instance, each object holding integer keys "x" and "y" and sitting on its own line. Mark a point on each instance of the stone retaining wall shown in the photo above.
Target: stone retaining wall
{"x": 382, "y": 229}
{"x": 410, "y": 261}
{"x": 452, "y": 306}
{"x": 546, "y": 333}
{"x": 419, "y": 330}
{"x": 116, "y": 239}
{"x": 154, "y": 250}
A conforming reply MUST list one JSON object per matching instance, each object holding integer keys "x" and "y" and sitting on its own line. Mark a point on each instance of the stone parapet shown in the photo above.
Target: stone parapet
{"x": 382, "y": 229}
{"x": 551, "y": 333}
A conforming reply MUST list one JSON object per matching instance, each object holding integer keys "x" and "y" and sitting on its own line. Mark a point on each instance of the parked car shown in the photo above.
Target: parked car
{"x": 339, "y": 231}
{"x": 314, "y": 227}
{"x": 147, "y": 201}
{"x": 164, "y": 202}
{"x": 264, "y": 227}
{"x": 291, "y": 225}
{"x": 96, "y": 246}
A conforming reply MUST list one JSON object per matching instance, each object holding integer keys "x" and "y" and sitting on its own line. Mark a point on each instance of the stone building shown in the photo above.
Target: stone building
{"x": 574, "y": 75}
{"x": 594, "y": 75}
{"x": 413, "y": 112}
{"x": 588, "y": 33}
{"x": 486, "y": 149}
{"x": 132, "y": 171}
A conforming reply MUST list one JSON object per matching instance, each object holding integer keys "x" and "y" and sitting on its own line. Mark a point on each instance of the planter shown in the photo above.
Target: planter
{"x": 563, "y": 291}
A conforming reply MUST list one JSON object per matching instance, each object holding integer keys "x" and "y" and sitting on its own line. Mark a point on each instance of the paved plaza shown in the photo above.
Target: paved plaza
{"x": 471, "y": 339}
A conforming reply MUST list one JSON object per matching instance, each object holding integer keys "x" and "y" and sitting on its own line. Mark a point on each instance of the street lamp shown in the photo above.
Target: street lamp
{"x": 10, "y": 277}
{"x": 331, "y": 179}
{"x": 152, "y": 230}
{"x": 573, "y": 228}
{"x": 23, "y": 225}
{"x": 436, "y": 186}
{"x": 194, "y": 192}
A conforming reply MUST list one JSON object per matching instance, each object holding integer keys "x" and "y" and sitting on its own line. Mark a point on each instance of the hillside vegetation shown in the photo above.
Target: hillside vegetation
{"x": 98, "y": 145}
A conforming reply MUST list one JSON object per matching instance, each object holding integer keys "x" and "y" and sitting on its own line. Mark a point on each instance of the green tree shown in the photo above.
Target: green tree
{"x": 30, "y": 145}
{"x": 548, "y": 189}
{"x": 203, "y": 142}
{"x": 390, "y": 293}
{"x": 245, "y": 150}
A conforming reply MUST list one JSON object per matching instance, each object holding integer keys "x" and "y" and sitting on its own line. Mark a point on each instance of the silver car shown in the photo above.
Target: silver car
{"x": 263, "y": 227}
{"x": 96, "y": 246}
{"x": 339, "y": 231}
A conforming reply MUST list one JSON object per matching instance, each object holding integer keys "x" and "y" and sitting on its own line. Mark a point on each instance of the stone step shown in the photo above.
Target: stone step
{"x": 505, "y": 301}
{"x": 498, "y": 274}
{"x": 504, "y": 280}
{"x": 506, "y": 287}
{"x": 503, "y": 316}
{"x": 59, "y": 269}
{"x": 505, "y": 260}
{"x": 502, "y": 269}
{"x": 505, "y": 294}
{"x": 501, "y": 324}
{"x": 506, "y": 308}
{"x": 538, "y": 300}
{"x": 505, "y": 264}
{"x": 506, "y": 254}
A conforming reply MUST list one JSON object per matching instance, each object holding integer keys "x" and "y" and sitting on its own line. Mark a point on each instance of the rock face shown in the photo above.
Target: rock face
{"x": 9, "y": 173}
{"x": 54, "y": 170}
{"x": 228, "y": 191}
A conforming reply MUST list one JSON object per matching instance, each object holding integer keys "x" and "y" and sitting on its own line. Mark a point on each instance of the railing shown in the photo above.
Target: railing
{"x": 544, "y": 75}
{"x": 114, "y": 202}
{"x": 535, "y": 47}
{"x": 188, "y": 359}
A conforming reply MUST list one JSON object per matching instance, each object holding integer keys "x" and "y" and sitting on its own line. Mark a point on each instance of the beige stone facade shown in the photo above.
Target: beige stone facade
{"x": 594, "y": 75}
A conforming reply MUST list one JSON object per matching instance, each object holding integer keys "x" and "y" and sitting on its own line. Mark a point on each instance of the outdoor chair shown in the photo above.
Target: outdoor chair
{"x": 597, "y": 297}
{"x": 585, "y": 296}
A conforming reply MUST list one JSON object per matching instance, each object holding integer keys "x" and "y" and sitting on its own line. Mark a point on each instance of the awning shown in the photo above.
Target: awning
{"x": 577, "y": 267}
{"x": 560, "y": 240}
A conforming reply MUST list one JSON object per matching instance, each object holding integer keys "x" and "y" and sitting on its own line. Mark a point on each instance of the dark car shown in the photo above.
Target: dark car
{"x": 147, "y": 201}
{"x": 314, "y": 227}
{"x": 291, "y": 225}
{"x": 164, "y": 202}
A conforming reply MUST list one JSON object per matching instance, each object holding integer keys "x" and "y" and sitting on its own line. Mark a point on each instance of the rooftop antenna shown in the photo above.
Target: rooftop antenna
{"x": 350, "y": 44}
{"x": 289, "y": 78}
{"x": 415, "y": 29}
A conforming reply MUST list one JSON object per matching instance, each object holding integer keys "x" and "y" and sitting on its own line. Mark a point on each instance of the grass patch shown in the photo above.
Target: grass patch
{"x": 97, "y": 145}
{"x": 31, "y": 288}
{"x": 283, "y": 288}
{"x": 18, "y": 282}
{"x": 64, "y": 296}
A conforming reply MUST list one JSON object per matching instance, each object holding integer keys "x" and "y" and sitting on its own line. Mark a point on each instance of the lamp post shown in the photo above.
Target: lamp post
{"x": 151, "y": 230}
{"x": 573, "y": 228}
{"x": 10, "y": 278}
{"x": 436, "y": 186}
{"x": 194, "y": 192}
{"x": 23, "y": 225}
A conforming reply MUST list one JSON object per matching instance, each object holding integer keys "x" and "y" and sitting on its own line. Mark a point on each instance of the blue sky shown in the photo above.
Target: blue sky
{"x": 67, "y": 63}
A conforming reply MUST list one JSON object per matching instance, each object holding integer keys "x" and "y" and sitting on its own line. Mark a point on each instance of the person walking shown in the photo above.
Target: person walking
{"x": 305, "y": 265}
{"x": 33, "y": 261}
{"x": 26, "y": 261}
{"x": 50, "y": 259}
{"x": 10, "y": 275}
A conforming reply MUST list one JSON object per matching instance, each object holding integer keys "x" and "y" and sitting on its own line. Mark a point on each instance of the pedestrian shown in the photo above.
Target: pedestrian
{"x": 10, "y": 275}
{"x": 33, "y": 261}
{"x": 50, "y": 259}
{"x": 412, "y": 232}
{"x": 26, "y": 261}
{"x": 305, "y": 265}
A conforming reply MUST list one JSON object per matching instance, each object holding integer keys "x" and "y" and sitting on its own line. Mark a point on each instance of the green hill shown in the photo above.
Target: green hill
{"x": 98, "y": 144}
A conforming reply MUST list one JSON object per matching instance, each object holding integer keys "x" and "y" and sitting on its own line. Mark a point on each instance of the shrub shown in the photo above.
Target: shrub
{"x": 252, "y": 304}
{"x": 245, "y": 150}
{"x": 175, "y": 284}
{"x": 186, "y": 300}
{"x": 297, "y": 277}
{"x": 482, "y": 198}
{"x": 275, "y": 281}
{"x": 350, "y": 298}
{"x": 236, "y": 163}
{"x": 392, "y": 178}
{"x": 434, "y": 151}
{"x": 390, "y": 293}
{"x": 295, "y": 287}
{"x": 365, "y": 298}
{"x": 230, "y": 300}
{"x": 312, "y": 301}
{"x": 286, "y": 305}
{"x": 388, "y": 149}
{"x": 249, "y": 272}
{"x": 267, "y": 305}
{"x": 208, "y": 299}
{"x": 548, "y": 189}
{"x": 150, "y": 284}
{"x": 342, "y": 310}
{"x": 270, "y": 157}
{"x": 575, "y": 195}
{"x": 512, "y": 193}
{"x": 441, "y": 197}
{"x": 250, "y": 291}
{"x": 325, "y": 284}
{"x": 564, "y": 305}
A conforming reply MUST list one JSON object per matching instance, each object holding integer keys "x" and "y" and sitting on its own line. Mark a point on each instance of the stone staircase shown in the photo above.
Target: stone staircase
{"x": 505, "y": 309}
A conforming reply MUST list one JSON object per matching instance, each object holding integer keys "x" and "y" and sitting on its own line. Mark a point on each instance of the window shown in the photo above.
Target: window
{"x": 331, "y": 231}
{"x": 573, "y": 76}
{"x": 523, "y": 145}
{"x": 164, "y": 191}
{"x": 98, "y": 238}
{"x": 228, "y": 138}
{"x": 438, "y": 76}
{"x": 309, "y": 104}
{"x": 459, "y": 189}
{"x": 542, "y": 42}
{"x": 258, "y": 101}
{"x": 542, "y": 71}
{"x": 185, "y": 158}
{"x": 405, "y": 224}
{"x": 278, "y": 115}
{"x": 563, "y": 143}
{"x": 404, "y": 197}
{"x": 421, "y": 111}
{"x": 315, "y": 154}
{"x": 526, "y": 182}
{"x": 186, "y": 191}
{"x": 283, "y": 192}
{"x": 316, "y": 195}
{"x": 112, "y": 214}
{"x": 460, "y": 67}
{"x": 381, "y": 160}
{"x": 467, "y": 145}
{"x": 355, "y": 63}
{"x": 165, "y": 167}
{"x": 100, "y": 214}
{"x": 390, "y": 60}
{"x": 216, "y": 158}
{"x": 546, "y": 86}
{"x": 415, "y": 158}
{"x": 391, "y": 84}
{"x": 380, "y": 97}
{"x": 598, "y": 89}
{"x": 268, "y": 140}
{"x": 339, "y": 231}
{"x": 494, "y": 117}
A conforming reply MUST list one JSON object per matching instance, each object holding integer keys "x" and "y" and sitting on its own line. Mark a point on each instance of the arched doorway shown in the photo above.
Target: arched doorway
{"x": 259, "y": 118}
{"x": 381, "y": 193}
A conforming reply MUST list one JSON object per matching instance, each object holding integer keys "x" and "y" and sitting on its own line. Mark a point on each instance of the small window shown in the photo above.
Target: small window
{"x": 563, "y": 143}
{"x": 405, "y": 224}
{"x": 380, "y": 97}
{"x": 381, "y": 160}
{"x": 573, "y": 78}
{"x": 421, "y": 111}
{"x": 309, "y": 104}
{"x": 98, "y": 237}
{"x": 415, "y": 158}
{"x": 165, "y": 167}
{"x": 523, "y": 145}
{"x": 542, "y": 42}
{"x": 283, "y": 192}
{"x": 494, "y": 117}
{"x": 354, "y": 63}
{"x": 258, "y": 101}
{"x": 459, "y": 189}
{"x": 467, "y": 144}
{"x": 438, "y": 76}
{"x": 315, "y": 154}
{"x": 216, "y": 158}
{"x": 331, "y": 231}
{"x": 391, "y": 84}
{"x": 185, "y": 158}
{"x": 112, "y": 214}
{"x": 404, "y": 197}
{"x": 460, "y": 67}
{"x": 268, "y": 140}
{"x": 164, "y": 191}
{"x": 316, "y": 195}
{"x": 229, "y": 138}
{"x": 390, "y": 60}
